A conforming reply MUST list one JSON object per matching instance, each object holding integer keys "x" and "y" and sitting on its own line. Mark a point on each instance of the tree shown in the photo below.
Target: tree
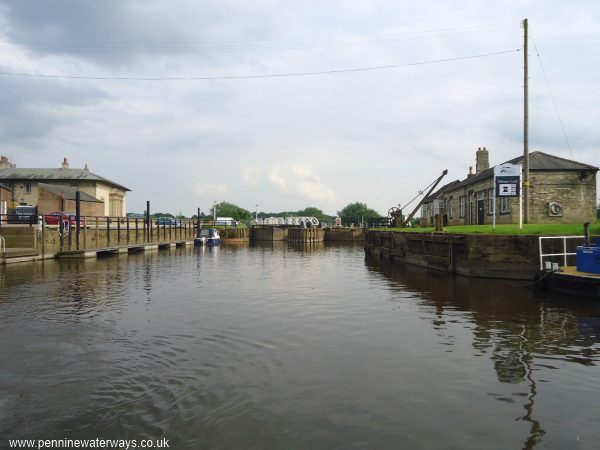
{"x": 161, "y": 214}
{"x": 225, "y": 209}
{"x": 356, "y": 212}
{"x": 311, "y": 211}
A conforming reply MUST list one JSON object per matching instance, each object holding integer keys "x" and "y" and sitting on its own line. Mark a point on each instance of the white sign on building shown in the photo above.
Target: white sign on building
{"x": 507, "y": 183}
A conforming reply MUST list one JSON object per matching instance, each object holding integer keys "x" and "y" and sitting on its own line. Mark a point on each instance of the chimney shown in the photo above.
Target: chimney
{"x": 86, "y": 168}
{"x": 4, "y": 163}
{"x": 470, "y": 174}
{"x": 482, "y": 159}
{"x": 65, "y": 163}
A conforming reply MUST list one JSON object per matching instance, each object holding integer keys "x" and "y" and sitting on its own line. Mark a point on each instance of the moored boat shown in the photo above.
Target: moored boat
{"x": 211, "y": 236}
{"x": 583, "y": 279}
{"x": 568, "y": 280}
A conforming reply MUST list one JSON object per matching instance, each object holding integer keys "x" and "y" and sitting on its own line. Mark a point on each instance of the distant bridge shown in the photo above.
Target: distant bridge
{"x": 304, "y": 222}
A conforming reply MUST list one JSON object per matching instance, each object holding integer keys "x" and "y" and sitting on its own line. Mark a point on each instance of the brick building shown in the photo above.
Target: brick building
{"x": 561, "y": 191}
{"x": 55, "y": 189}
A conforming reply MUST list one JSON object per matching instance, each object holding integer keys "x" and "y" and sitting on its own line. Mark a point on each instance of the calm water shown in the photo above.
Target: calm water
{"x": 275, "y": 347}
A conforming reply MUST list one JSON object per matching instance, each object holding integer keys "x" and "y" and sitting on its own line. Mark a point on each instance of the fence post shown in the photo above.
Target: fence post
{"x": 61, "y": 233}
{"x": 97, "y": 232}
{"x": 77, "y": 216}
{"x": 85, "y": 233}
{"x": 148, "y": 223}
{"x": 108, "y": 231}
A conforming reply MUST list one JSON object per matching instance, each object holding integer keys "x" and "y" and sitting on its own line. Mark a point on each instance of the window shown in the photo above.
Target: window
{"x": 28, "y": 188}
{"x": 450, "y": 208}
{"x": 505, "y": 204}
{"x": 461, "y": 204}
{"x": 490, "y": 201}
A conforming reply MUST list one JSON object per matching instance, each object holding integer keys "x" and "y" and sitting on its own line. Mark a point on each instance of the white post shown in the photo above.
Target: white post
{"x": 521, "y": 199}
{"x": 494, "y": 204}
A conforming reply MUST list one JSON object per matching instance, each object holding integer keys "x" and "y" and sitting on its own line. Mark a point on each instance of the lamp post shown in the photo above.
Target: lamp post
{"x": 256, "y": 212}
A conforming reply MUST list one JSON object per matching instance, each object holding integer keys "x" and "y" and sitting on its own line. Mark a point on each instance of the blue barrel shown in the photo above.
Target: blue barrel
{"x": 588, "y": 259}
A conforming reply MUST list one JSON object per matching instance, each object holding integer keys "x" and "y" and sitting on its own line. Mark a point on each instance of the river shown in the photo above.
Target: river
{"x": 281, "y": 347}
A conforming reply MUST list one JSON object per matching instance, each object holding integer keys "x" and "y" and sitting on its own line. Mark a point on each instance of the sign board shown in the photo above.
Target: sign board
{"x": 507, "y": 170}
{"x": 508, "y": 187}
{"x": 507, "y": 178}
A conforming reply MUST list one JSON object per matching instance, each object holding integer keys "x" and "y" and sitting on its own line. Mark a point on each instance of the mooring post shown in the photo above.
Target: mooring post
{"x": 97, "y": 232}
{"x": 77, "y": 216}
{"x": 148, "y": 224}
{"x": 108, "y": 231}
{"x": 61, "y": 233}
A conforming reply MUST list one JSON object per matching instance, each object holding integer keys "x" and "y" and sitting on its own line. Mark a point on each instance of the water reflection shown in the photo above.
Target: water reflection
{"x": 521, "y": 329}
{"x": 285, "y": 346}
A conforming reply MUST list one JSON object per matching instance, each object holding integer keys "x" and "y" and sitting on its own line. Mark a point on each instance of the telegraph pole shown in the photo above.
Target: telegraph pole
{"x": 525, "y": 192}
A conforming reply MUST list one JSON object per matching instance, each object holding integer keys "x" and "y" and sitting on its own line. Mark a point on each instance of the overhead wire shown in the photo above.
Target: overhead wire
{"x": 245, "y": 77}
{"x": 260, "y": 45}
{"x": 562, "y": 127}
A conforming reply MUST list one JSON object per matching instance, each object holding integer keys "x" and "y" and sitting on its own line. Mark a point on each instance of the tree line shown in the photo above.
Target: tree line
{"x": 353, "y": 213}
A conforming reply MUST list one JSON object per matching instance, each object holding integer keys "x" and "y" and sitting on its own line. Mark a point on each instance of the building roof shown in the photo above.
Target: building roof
{"x": 544, "y": 161}
{"x": 41, "y": 175}
{"x": 444, "y": 188}
{"x": 68, "y": 192}
{"x": 538, "y": 161}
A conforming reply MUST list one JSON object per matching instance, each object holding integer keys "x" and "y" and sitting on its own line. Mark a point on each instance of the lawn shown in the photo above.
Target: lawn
{"x": 568, "y": 229}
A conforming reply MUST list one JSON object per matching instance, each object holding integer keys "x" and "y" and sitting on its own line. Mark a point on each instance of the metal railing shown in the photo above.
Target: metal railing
{"x": 564, "y": 253}
{"x": 107, "y": 231}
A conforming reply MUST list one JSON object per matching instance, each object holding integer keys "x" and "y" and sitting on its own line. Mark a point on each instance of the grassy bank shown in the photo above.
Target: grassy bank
{"x": 573, "y": 229}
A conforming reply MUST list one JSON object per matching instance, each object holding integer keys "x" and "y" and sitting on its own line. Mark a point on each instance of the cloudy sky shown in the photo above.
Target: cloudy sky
{"x": 184, "y": 101}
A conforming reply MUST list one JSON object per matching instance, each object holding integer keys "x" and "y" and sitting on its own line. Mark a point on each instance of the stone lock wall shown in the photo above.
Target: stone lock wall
{"x": 478, "y": 255}
{"x": 310, "y": 235}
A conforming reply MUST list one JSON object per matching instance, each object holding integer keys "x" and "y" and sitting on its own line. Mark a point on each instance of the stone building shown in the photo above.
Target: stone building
{"x": 55, "y": 189}
{"x": 561, "y": 191}
{"x": 5, "y": 199}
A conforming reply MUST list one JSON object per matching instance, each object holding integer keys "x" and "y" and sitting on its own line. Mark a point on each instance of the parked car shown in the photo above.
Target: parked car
{"x": 23, "y": 214}
{"x": 58, "y": 217}
{"x": 168, "y": 221}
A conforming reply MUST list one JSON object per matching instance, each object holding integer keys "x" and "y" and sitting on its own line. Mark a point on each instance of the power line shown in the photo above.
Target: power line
{"x": 259, "y": 45}
{"x": 552, "y": 97}
{"x": 246, "y": 77}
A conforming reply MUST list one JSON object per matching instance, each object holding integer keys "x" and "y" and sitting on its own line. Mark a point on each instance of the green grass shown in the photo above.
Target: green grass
{"x": 568, "y": 229}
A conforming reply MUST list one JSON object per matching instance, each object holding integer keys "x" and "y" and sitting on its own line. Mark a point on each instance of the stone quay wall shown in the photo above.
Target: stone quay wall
{"x": 477, "y": 255}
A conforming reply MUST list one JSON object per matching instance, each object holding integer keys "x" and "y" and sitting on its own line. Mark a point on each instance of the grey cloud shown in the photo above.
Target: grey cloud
{"x": 28, "y": 106}
{"x": 373, "y": 136}
{"x": 125, "y": 31}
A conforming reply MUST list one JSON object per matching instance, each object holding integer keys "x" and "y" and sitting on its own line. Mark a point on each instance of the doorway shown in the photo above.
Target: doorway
{"x": 480, "y": 212}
